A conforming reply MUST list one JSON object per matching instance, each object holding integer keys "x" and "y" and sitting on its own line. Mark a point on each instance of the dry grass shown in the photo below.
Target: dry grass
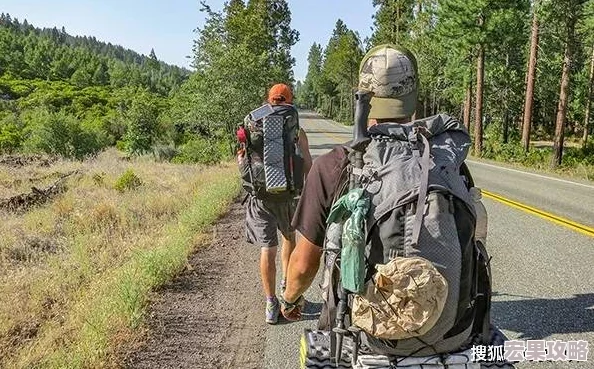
{"x": 75, "y": 273}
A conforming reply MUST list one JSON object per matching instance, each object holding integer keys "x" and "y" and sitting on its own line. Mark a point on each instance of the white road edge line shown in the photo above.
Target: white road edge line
{"x": 531, "y": 174}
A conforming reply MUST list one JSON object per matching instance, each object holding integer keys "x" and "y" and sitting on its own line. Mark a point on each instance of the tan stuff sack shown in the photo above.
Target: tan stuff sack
{"x": 404, "y": 299}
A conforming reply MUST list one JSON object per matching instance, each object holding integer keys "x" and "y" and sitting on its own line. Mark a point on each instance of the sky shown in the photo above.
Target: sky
{"x": 168, "y": 25}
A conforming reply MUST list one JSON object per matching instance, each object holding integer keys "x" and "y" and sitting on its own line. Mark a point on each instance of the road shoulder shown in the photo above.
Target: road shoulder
{"x": 208, "y": 316}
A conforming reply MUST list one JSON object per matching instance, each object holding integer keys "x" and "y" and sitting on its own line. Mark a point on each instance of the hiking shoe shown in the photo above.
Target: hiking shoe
{"x": 272, "y": 310}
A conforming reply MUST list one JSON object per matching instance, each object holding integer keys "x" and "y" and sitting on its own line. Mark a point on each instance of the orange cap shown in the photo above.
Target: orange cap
{"x": 280, "y": 93}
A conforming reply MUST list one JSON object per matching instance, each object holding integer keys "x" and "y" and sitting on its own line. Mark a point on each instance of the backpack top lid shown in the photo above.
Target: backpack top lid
{"x": 261, "y": 112}
{"x": 397, "y": 171}
{"x": 431, "y": 126}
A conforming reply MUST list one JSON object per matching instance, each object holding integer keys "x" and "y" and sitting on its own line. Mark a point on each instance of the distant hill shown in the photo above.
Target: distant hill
{"x": 28, "y": 52}
{"x": 73, "y": 96}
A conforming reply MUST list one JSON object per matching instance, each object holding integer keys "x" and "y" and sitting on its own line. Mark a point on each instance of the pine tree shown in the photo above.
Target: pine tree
{"x": 470, "y": 30}
{"x": 393, "y": 21}
{"x": 340, "y": 69}
{"x": 530, "y": 79}
{"x": 587, "y": 30}
{"x": 571, "y": 11}
{"x": 310, "y": 92}
{"x": 152, "y": 61}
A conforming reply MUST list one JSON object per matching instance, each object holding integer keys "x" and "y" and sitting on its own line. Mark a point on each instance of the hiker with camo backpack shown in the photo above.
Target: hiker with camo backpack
{"x": 404, "y": 270}
{"x": 274, "y": 160}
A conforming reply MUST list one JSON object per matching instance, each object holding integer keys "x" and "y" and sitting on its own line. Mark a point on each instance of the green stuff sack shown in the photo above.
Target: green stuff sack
{"x": 352, "y": 209}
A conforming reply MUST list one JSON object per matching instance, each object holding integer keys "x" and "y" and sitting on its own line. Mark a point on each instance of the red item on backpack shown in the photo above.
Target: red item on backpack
{"x": 241, "y": 135}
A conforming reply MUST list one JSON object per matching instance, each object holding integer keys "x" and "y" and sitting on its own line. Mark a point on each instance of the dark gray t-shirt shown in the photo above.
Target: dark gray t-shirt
{"x": 323, "y": 182}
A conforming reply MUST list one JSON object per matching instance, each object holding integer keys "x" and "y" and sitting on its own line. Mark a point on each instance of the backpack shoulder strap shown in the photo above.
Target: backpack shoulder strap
{"x": 342, "y": 183}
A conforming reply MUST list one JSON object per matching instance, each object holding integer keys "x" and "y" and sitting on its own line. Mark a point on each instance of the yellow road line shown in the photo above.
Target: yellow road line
{"x": 588, "y": 231}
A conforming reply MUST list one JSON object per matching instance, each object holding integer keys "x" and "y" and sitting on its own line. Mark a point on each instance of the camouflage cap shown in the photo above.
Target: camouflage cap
{"x": 390, "y": 72}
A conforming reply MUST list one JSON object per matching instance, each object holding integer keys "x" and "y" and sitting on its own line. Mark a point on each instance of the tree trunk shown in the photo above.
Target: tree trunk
{"x": 562, "y": 107}
{"x": 352, "y": 93}
{"x": 527, "y": 121}
{"x": 425, "y": 106}
{"x": 506, "y": 114}
{"x": 506, "y": 126}
{"x": 588, "y": 100}
{"x": 478, "y": 121}
{"x": 341, "y": 107}
{"x": 433, "y": 104}
{"x": 468, "y": 104}
{"x": 398, "y": 22}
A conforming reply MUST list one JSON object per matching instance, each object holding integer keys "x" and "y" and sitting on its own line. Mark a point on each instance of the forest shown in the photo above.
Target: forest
{"x": 73, "y": 96}
{"x": 518, "y": 73}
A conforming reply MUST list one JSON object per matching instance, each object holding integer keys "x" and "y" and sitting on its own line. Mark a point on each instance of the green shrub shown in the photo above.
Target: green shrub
{"x": 142, "y": 124}
{"x": 165, "y": 152}
{"x": 120, "y": 145}
{"x": 11, "y": 134}
{"x": 579, "y": 156}
{"x": 128, "y": 181}
{"x": 537, "y": 157}
{"x": 59, "y": 134}
{"x": 203, "y": 151}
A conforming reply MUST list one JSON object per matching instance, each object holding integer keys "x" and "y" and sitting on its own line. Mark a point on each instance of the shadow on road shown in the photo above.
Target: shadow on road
{"x": 311, "y": 311}
{"x": 541, "y": 318}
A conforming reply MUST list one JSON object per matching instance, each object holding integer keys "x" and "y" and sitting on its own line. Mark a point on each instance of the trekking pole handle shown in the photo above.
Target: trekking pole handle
{"x": 360, "y": 134}
{"x": 362, "y": 109}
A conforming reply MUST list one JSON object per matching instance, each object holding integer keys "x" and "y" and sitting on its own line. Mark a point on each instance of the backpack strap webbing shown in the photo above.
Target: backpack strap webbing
{"x": 418, "y": 222}
{"x": 483, "y": 313}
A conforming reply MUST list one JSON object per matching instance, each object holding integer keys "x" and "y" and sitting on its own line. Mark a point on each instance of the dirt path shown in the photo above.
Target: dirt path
{"x": 212, "y": 315}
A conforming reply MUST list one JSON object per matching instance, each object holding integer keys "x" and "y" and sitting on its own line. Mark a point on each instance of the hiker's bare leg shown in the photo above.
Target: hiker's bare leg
{"x": 287, "y": 250}
{"x": 268, "y": 270}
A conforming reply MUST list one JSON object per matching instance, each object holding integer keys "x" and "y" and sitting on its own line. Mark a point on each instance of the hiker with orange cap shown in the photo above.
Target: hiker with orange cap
{"x": 274, "y": 160}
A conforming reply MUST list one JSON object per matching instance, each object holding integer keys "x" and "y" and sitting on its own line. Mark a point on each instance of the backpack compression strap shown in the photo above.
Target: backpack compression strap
{"x": 414, "y": 139}
{"x": 485, "y": 315}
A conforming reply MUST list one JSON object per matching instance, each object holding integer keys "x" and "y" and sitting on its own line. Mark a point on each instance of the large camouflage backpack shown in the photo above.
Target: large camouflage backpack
{"x": 270, "y": 162}
{"x": 400, "y": 251}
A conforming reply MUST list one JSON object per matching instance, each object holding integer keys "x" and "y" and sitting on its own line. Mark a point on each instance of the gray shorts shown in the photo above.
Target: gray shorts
{"x": 263, "y": 218}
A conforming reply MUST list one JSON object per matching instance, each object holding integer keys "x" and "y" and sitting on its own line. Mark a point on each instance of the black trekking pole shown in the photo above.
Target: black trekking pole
{"x": 360, "y": 141}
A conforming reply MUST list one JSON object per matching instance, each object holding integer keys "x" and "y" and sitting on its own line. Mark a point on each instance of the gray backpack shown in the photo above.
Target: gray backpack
{"x": 417, "y": 205}
{"x": 272, "y": 165}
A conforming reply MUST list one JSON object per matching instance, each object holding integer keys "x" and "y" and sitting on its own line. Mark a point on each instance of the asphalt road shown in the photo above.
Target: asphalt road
{"x": 542, "y": 270}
